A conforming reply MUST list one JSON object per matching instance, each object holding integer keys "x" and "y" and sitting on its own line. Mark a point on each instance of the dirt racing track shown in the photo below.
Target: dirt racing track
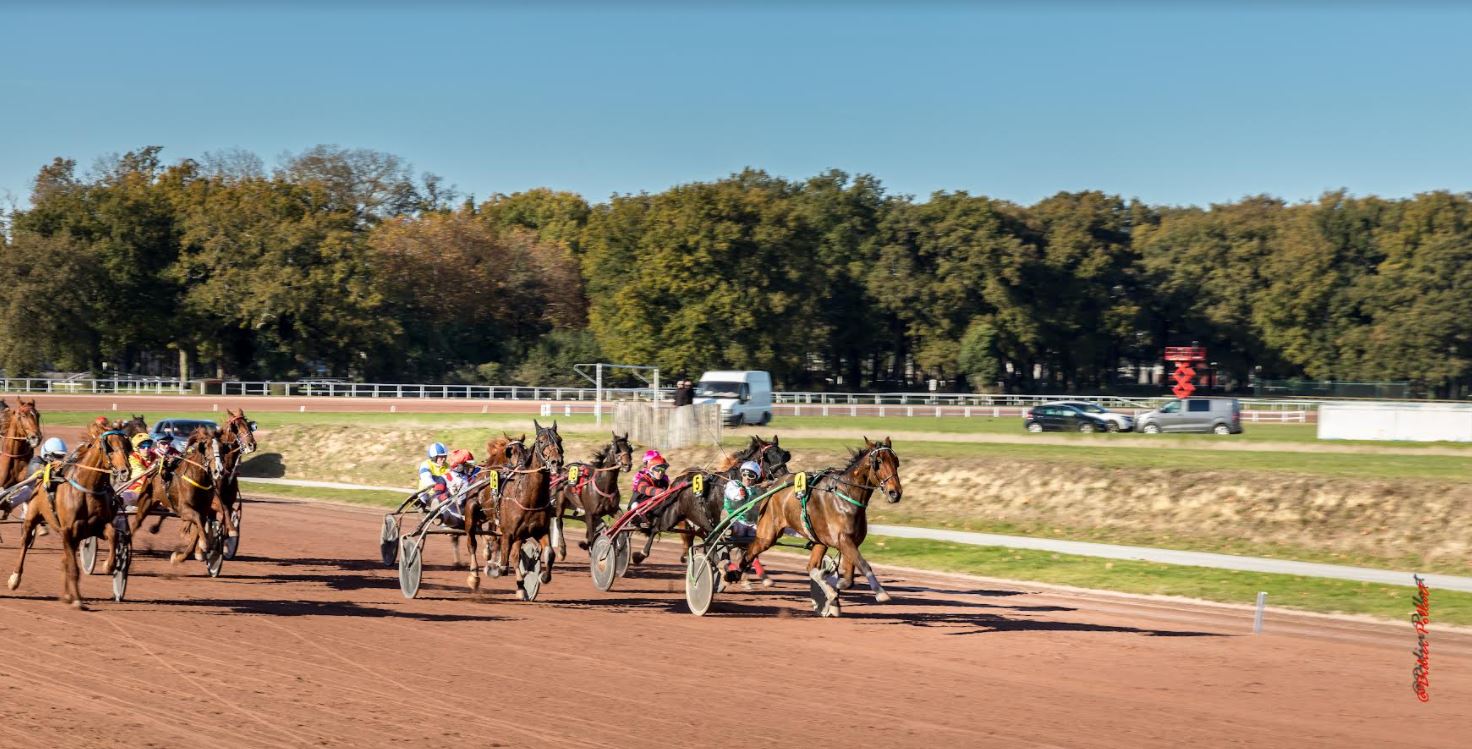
{"x": 305, "y": 640}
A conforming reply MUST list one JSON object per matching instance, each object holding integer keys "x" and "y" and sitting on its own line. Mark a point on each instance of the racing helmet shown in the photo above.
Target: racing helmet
{"x": 142, "y": 442}
{"x": 460, "y": 457}
{"x": 53, "y": 448}
{"x": 438, "y": 450}
{"x": 751, "y": 469}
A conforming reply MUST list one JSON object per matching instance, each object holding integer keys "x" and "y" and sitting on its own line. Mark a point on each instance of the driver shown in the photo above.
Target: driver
{"x": 739, "y": 492}
{"x": 53, "y": 452}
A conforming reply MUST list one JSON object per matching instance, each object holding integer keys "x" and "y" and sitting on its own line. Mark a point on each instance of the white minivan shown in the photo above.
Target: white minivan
{"x": 745, "y": 397}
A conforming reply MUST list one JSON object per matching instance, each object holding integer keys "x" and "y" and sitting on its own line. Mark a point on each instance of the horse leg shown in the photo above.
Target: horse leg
{"x": 191, "y": 532}
{"x": 27, "y": 537}
{"x": 815, "y": 573}
{"x": 850, "y": 551}
{"x": 548, "y": 558}
{"x": 468, "y": 511}
{"x": 686, "y": 541}
{"x": 515, "y": 553}
{"x": 110, "y": 535}
{"x": 640, "y": 556}
{"x": 592, "y": 524}
{"x": 71, "y": 591}
{"x": 845, "y": 572}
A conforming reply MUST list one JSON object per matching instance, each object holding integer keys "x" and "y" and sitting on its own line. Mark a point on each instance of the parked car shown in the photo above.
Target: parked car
{"x": 745, "y": 397}
{"x": 1118, "y": 422}
{"x": 1218, "y": 415}
{"x": 178, "y": 430}
{"x": 1063, "y": 417}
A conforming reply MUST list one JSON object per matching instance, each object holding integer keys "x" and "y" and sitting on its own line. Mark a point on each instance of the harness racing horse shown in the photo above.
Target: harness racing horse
{"x": 236, "y": 440}
{"x": 191, "y": 494}
{"x": 594, "y": 491}
{"x": 522, "y": 509}
{"x": 134, "y": 425}
{"x": 83, "y": 506}
{"x": 832, "y": 513}
{"x": 773, "y": 459}
{"x": 21, "y": 430}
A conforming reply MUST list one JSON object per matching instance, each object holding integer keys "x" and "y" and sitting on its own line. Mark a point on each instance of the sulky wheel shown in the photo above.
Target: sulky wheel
{"x": 530, "y": 567}
{"x": 700, "y": 583}
{"x": 121, "y": 564}
{"x": 388, "y": 540}
{"x": 87, "y": 554}
{"x": 232, "y": 543}
{"x": 214, "y": 550}
{"x": 621, "y": 554}
{"x": 602, "y": 563}
{"x": 411, "y": 565}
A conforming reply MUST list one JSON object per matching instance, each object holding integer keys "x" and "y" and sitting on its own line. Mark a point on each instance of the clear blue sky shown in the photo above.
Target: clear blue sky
{"x": 1146, "y": 100}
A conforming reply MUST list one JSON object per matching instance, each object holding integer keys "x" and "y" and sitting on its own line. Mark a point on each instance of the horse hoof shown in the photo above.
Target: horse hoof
{"x": 767, "y": 582}
{"x": 41, "y": 531}
{"x": 14, "y": 581}
{"x": 176, "y": 557}
{"x": 520, "y": 593}
{"x": 882, "y": 597}
{"x": 844, "y": 584}
{"x": 473, "y": 580}
{"x": 546, "y": 577}
{"x": 583, "y": 545}
{"x": 637, "y": 557}
{"x": 77, "y": 604}
{"x": 746, "y": 585}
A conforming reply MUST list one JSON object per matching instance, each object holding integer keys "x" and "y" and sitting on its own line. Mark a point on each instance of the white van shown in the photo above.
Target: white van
{"x": 745, "y": 397}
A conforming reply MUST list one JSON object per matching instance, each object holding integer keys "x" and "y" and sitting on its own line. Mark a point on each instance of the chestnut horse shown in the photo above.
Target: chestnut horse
{"x": 834, "y": 514}
{"x": 522, "y": 508}
{"x": 83, "y": 506}
{"x": 595, "y": 491}
{"x": 21, "y": 430}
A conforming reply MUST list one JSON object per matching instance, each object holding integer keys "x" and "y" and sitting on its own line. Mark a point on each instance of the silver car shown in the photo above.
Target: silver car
{"x": 1216, "y": 415}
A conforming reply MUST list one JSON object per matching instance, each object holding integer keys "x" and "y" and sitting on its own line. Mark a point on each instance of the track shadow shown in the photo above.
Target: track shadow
{"x": 224, "y": 607}
{"x": 263, "y": 465}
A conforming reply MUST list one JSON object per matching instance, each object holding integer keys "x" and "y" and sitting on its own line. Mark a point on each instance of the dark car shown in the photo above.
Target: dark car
{"x": 1062, "y": 417}
{"x": 178, "y": 430}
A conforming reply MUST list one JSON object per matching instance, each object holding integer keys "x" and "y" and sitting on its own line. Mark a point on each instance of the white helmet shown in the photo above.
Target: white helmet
{"x": 752, "y": 467}
{"x": 54, "y": 448}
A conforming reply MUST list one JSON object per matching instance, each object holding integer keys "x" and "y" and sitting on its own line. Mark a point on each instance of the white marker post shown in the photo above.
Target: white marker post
{"x": 1262, "y": 599}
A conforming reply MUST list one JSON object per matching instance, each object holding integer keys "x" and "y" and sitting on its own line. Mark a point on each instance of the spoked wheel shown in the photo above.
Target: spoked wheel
{"x": 700, "y": 582}
{"x": 388, "y": 540}
{"x": 120, "y": 569}
{"x": 821, "y": 605}
{"x": 214, "y": 550}
{"x": 87, "y": 554}
{"x": 411, "y": 565}
{"x": 602, "y": 562}
{"x": 232, "y": 543}
{"x": 530, "y": 567}
{"x": 621, "y": 554}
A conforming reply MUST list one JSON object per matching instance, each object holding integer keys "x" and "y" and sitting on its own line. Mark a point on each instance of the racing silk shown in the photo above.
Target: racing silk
{"x": 432, "y": 474}
{"x": 648, "y": 483}
{"x": 738, "y": 494}
{"x": 138, "y": 464}
{"x": 456, "y": 481}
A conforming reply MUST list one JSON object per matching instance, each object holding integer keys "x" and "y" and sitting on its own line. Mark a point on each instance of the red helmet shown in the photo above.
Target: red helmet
{"x": 460, "y": 457}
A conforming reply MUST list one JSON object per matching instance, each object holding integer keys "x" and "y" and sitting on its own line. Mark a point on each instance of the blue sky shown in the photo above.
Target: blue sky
{"x": 1149, "y": 100}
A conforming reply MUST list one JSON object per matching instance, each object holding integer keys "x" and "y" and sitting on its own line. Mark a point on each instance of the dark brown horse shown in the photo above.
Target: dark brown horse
{"x": 83, "y": 506}
{"x": 770, "y": 455}
{"x": 237, "y": 439}
{"x": 521, "y": 506}
{"x": 835, "y": 514}
{"x": 135, "y": 425}
{"x": 21, "y": 434}
{"x": 594, "y": 491}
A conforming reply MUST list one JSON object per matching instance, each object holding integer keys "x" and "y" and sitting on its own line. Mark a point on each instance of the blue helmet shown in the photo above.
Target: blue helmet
{"x": 437, "y": 450}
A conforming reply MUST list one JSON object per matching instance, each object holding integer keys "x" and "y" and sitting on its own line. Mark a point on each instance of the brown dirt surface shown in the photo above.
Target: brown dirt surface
{"x": 306, "y": 641}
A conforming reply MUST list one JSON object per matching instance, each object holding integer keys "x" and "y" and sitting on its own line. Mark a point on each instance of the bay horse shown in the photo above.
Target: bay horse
{"x": 834, "y": 514}
{"x": 521, "y": 509}
{"x": 235, "y": 440}
{"x": 84, "y": 505}
{"x": 21, "y": 430}
{"x": 595, "y": 491}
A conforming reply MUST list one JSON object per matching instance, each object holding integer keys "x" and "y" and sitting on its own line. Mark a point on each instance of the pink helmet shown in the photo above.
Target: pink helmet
{"x": 651, "y": 455}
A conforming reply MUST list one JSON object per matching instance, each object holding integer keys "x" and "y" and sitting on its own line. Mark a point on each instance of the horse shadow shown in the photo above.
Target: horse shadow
{"x": 263, "y": 465}
{"x": 297, "y": 607}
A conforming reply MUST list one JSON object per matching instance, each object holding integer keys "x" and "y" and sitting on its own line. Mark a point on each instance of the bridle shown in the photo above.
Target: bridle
{"x": 32, "y": 439}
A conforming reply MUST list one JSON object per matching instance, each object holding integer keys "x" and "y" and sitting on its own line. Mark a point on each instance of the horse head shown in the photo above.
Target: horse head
{"x": 548, "y": 446}
{"x": 623, "y": 452}
{"x": 240, "y": 430}
{"x": 115, "y": 450}
{"x": 25, "y": 424}
{"x": 884, "y": 468}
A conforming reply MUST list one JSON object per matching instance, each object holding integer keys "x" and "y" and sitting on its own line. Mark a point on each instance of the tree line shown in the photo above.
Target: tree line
{"x": 345, "y": 263}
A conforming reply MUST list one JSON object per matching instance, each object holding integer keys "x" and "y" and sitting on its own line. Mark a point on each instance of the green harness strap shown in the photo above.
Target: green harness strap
{"x": 745, "y": 508}
{"x": 802, "y": 502}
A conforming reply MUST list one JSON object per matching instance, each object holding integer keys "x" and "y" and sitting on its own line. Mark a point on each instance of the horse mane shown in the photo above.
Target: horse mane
{"x": 736, "y": 458}
{"x": 600, "y": 454}
{"x": 498, "y": 444}
{"x": 200, "y": 435}
{"x": 855, "y": 455}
